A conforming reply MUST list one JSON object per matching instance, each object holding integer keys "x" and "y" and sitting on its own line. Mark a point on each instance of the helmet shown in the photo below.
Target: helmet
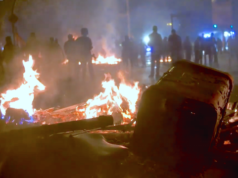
{"x": 155, "y": 28}
{"x": 84, "y": 31}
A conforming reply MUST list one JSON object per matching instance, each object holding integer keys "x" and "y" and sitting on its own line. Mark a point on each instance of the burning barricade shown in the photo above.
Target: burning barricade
{"x": 119, "y": 101}
{"x": 178, "y": 123}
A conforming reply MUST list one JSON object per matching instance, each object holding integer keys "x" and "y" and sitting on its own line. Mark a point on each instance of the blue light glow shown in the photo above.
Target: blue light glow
{"x": 207, "y": 35}
{"x": 148, "y": 49}
{"x": 226, "y": 34}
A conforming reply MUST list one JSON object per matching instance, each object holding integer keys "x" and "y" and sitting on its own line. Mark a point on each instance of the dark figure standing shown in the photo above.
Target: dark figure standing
{"x": 33, "y": 47}
{"x": 84, "y": 44}
{"x": 214, "y": 50}
{"x": 156, "y": 45}
{"x": 70, "y": 52}
{"x": 198, "y": 50}
{"x": 69, "y": 49}
{"x": 126, "y": 51}
{"x": 175, "y": 45}
{"x": 187, "y": 46}
{"x": 207, "y": 44}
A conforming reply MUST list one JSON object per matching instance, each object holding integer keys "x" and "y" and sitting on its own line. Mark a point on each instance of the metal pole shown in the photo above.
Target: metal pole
{"x": 172, "y": 24}
{"x": 128, "y": 17}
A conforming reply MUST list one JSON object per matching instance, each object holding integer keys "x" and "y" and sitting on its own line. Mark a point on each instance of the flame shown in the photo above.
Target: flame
{"x": 108, "y": 60}
{"x": 22, "y": 97}
{"x": 121, "y": 99}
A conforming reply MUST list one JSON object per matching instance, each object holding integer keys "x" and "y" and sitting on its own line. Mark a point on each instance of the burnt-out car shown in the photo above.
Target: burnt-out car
{"x": 179, "y": 117}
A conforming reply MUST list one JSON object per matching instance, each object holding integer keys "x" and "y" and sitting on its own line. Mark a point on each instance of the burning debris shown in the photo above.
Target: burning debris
{"x": 111, "y": 60}
{"x": 119, "y": 101}
{"x": 106, "y": 60}
{"x": 22, "y": 97}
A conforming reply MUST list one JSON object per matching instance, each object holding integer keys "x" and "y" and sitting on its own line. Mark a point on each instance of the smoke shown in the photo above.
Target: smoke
{"x": 106, "y": 21}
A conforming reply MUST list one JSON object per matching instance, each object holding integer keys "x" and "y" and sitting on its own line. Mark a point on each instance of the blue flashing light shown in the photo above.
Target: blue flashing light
{"x": 231, "y": 26}
{"x": 207, "y": 35}
{"x": 148, "y": 49}
{"x": 215, "y": 25}
{"x": 227, "y": 34}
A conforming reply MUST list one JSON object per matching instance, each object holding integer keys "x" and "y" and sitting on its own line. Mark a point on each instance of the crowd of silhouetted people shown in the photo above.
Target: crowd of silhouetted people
{"x": 204, "y": 50}
{"x": 48, "y": 56}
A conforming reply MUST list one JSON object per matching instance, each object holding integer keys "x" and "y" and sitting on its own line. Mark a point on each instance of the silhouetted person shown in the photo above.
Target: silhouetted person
{"x": 69, "y": 49}
{"x": 126, "y": 51}
{"x": 71, "y": 54}
{"x": 32, "y": 46}
{"x": 214, "y": 50}
{"x": 51, "y": 54}
{"x": 175, "y": 45}
{"x": 85, "y": 46}
{"x": 198, "y": 50}
{"x": 165, "y": 48}
{"x": 8, "y": 55}
{"x": 156, "y": 45}
{"x": 208, "y": 48}
{"x": 187, "y": 46}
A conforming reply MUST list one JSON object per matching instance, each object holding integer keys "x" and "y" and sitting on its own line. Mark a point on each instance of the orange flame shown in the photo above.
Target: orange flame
{"x": 23, "y": 97}
{"x": 112, "y": 100}
{"x": 108, "y": 60}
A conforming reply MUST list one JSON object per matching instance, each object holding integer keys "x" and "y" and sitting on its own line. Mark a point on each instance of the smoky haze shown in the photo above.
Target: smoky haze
{"x": 105, "y": 19}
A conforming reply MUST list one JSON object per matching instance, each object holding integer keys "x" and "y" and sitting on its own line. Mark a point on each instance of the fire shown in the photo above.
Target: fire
{"x": 22, "y": 97}
{"x": 114, "y": 99}
{"x": 108, "y": 60}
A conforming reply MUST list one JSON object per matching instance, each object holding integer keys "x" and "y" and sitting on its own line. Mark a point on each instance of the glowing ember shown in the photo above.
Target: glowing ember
{"x": 121, "y": 99}
{"x": 23, "y": 97}
{"x": 75, "y": 37}
{"x": 66, "y": 61}
{"x": 108, "y": 60}
{"x": 227, "y": 142}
